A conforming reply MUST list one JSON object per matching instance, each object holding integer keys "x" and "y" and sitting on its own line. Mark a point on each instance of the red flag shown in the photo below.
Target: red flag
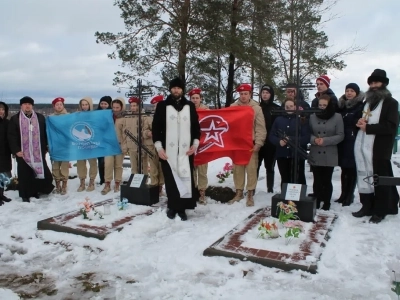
{"x": 226, "y": 132}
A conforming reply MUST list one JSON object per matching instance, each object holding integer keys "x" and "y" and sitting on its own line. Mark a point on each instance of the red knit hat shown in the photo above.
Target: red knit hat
{"x": 325, "y": 79}
{"x": 58, "y": 99}
{"x": 134, "y": 99}
{"x": 194, "y": 91}
{"x": 244, "y": 87}
{"x": 157, "y": 99}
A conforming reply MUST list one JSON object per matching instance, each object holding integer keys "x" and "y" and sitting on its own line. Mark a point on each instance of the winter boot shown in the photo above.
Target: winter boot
{"x": 116, "y": 186}
{"x": 57, "y": 190}
{"x": 171, "y": 213}
{"x": 351, "y": 186}
{"x": 326, "y": 205}
{"x": 82, "y": 186}
{"x": 106, "y": 188}
{"x": 250, "y": 200}
{"x": 3, "y": 197}
{"x": 366, "y": 201}
{"x": 90, "y": 187}
{"x": 64, "y": 187}
{"x": 237, "y": 198}
{"x": 270, "y": 182}
{"x": 202, "y": 199}
{"x": 182, "y": 215}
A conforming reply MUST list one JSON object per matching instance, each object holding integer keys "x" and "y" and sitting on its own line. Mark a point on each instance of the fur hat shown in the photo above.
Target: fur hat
{"x": 176, "y": 82}
{"x": 157, "y": 99}
{"x": 379, "y": 76}
{"x": 26, "y": 99}
{"x": 58, "y": 99}
{"x": 354, "y": 87}
{"x": 325, "y": 79}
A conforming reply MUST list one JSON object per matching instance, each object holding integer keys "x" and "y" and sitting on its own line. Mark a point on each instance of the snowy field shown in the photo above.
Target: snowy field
{"x": 157, "y": 258}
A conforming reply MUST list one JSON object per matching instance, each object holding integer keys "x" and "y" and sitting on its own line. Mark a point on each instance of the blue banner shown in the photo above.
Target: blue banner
{"x": 82, "y": 135}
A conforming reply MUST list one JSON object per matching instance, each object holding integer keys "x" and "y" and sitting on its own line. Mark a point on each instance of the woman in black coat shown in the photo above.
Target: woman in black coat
{"x": 104, "y": 103}
{"x": 350, "y": 107}
{"x": 5, "y": 152}
{"x": 285, "y": 154}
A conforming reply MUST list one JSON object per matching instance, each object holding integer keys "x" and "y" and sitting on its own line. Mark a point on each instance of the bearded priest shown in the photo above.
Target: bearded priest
{"x": 176, "y": 135}
{"x": 373, "y": 149}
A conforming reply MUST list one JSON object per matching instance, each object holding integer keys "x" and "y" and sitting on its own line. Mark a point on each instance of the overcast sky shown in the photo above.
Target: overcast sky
{"x": 48, "y": 48}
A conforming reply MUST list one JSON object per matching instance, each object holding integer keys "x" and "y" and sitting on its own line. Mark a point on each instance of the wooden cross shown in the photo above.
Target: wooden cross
{"x": 366, "y": 114}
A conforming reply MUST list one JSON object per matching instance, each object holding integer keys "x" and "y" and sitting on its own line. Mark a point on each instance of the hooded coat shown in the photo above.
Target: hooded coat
{"x": 89, "y": 100}
{"x": 119, "y": 119}
{"x": 5, "y": 152}
{"x": 267, "y": 108}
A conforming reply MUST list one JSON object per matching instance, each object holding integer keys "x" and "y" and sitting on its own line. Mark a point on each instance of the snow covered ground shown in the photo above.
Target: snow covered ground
{"x": 157, "y": 258}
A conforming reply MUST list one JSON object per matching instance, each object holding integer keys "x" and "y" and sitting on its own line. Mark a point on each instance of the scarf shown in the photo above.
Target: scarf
{"x": 30, "y": 143}
{"x": 327, "y": 113}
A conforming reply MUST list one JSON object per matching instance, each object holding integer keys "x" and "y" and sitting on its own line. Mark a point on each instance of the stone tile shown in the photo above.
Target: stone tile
{"x": 230, "y": 244}
{"x": 59, "y": 223}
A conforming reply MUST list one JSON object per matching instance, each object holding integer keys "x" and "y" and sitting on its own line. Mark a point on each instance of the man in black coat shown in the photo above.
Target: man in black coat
{"x": 267, "y": 152}
{"x": 34, "y": 175}
{"x": 323, "y": 83}
{"x": 373, "y": 149}
{"x": 5, "y": 153}
{"x": 176, "y": 135}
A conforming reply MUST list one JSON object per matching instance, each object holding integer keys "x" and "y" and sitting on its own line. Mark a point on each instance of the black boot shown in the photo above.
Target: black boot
{"x": 1, "y": 202}
{"x": 326, "y": 205}
{"x": 3, "y": 197}
{"x": 270, "y": 182}
{"x": 366, "y": 201}
{"x": 171, "y": 213}
{"x": 182, "y": 215}
{"x": 26, "y": 200}
{"x": 376, "y": 219}
{"x": 350, "y": 188}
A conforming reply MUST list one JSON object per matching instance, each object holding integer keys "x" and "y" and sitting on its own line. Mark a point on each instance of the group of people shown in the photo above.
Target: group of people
{"x": 356, "y": 132}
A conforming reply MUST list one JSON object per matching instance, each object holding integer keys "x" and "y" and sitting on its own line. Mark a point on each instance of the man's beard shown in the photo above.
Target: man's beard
{"x": 374, "y": 95}
{"x": 176, "y": 96}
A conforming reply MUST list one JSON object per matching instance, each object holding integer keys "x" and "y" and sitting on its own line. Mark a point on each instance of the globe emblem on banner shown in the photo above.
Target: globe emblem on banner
{"x": 82, "y": 132}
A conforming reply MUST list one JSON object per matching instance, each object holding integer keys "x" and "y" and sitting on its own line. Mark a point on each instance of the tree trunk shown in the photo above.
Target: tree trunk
{"x": 183, "y": 40}
{"x": 231, "y": 68}
{"x": 219, "y": 82}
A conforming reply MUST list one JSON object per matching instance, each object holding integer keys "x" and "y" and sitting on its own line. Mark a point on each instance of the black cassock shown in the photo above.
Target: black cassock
{"x": 386, "y": 198}
{"x": 28, "y": 185}
{"x": 159, "y": 134}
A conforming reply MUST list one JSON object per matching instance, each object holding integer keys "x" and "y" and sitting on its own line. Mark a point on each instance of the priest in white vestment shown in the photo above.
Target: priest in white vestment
{"x": 176, "y": 135}
{"x": 373, "y": 149}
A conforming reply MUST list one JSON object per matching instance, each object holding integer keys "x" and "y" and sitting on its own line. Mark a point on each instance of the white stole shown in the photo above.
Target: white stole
{"x": 363, "y": 151}
{"x": 177, "y": 143}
